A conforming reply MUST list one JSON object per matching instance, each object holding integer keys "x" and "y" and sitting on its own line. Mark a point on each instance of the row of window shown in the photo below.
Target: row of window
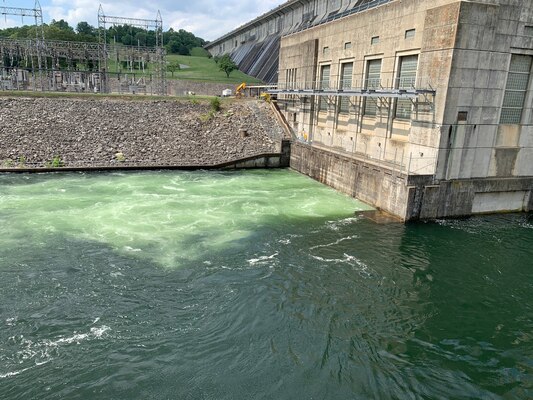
{"x": 406, "y": 80}
{"x": 513, "y": 102}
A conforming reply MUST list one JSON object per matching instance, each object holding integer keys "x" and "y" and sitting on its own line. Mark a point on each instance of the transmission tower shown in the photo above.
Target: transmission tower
{"x": 36, "y": 13}
{"x": 158, "y": 52}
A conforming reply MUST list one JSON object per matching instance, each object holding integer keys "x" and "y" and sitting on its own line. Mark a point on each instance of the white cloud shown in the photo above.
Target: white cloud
{"x": 208, "y": 19}
{"x": 8, "y": 23}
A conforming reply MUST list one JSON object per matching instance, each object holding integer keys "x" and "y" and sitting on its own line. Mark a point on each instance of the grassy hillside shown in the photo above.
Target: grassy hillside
{"x": 205, "y": 69}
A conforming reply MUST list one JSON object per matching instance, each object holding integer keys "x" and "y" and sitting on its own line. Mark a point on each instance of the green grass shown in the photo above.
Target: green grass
{"x": 200, "y": 69}
{"x": 199, "y": 52}
{"x": 206, "y": 70}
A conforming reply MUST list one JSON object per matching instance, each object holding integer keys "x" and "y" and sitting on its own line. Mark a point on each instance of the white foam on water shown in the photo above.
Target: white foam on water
{"x": 132, "y": 249}
{"x": 158, "y": 216}
{"x": 335, "y": 242}
{"x": 176, "y": 189}
{"x": 348, "y": 259}
{"x": 14, "y": 373}
{"x": 253, "y": 261}
{"x": 336, "y": 225}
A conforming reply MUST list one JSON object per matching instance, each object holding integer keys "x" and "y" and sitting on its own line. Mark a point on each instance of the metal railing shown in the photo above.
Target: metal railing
{"x": 422, "y": 83}
{"x": 397, "y": 87}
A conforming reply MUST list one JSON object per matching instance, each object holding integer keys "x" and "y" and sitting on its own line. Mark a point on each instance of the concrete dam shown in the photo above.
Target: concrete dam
{"x": 255, "y": 45}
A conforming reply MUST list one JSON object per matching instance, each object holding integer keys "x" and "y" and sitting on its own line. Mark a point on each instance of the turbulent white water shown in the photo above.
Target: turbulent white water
{"x": 162, "y": 216}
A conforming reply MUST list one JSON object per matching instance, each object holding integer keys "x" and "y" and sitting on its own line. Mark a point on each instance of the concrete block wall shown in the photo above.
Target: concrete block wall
{"x": 435, "y": 24}
{"x": 488, "y": 33}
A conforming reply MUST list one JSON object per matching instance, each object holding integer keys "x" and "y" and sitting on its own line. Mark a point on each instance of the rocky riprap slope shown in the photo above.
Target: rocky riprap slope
{"x": 115, "y": 132}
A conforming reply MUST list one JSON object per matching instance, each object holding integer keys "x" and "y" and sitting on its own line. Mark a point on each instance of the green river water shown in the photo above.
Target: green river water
{"x": 253, "y": 285}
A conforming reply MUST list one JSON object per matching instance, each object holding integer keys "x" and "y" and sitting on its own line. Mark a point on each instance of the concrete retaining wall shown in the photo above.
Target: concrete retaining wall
{"x": 377, "y": 186}
{"x": 464, "y": 197}
{"x": 414, "y": 197}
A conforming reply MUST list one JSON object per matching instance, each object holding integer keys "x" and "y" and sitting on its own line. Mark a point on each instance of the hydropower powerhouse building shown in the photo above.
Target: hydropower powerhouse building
{"x": 422, "y": 108}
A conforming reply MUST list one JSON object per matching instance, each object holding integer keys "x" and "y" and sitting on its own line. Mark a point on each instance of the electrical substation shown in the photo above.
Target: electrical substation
{"x": 45, "y": 65}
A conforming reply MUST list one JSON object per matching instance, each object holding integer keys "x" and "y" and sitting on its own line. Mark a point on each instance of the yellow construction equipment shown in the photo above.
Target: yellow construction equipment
{"x": 266, "y": 97}
{"x": 239, "y": 91}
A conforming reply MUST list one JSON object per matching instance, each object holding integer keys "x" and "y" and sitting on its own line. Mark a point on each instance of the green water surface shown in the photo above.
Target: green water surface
{"x": 253, "y": 285}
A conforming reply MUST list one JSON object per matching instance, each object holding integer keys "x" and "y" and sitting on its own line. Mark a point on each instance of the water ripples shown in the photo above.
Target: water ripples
{"x": 162, "y": 286}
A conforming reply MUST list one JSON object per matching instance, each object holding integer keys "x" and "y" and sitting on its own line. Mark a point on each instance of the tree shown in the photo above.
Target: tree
{"x": 227, "y": 65}
{"x": 84, "y": 28}
{"x": 181, "y": 42}
{"x": 62, "y": 25}
{"x": 173, "y": 67}
{"x": 127, "y": 39}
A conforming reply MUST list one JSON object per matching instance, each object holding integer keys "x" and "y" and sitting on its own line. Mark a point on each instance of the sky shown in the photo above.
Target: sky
{"x": 208, "y": 19}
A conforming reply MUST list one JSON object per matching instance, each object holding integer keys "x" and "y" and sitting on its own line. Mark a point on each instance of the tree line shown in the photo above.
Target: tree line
{"x": 176, "y": 42}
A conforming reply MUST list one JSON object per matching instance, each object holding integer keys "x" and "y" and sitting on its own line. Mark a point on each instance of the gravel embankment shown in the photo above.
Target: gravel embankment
{"x": 92, "y": 132}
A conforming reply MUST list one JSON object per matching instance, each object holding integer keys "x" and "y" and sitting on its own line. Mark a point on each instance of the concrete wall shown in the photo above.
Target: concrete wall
{"x": 456, "y": 155}
{"x": 465, "y": 197}
{"x": 375, "y": 185}
{"x": 411, "y": 197}
{"x": 350, "y": 40}
{"x": 488, "y": 34}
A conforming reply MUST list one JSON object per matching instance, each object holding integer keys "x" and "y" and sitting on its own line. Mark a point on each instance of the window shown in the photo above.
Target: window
{"x": 406, "y": 80}
{"x": 345, "y": 83}
{"x": 528, "y": 30}
{"x": 516, "y": 89}
{"x": 373, "y": 81}
{"x": 325, "y": 51}
{"x": 290, "y": 78}
{"x": 374, "y": 40}
{"x": 324, "y": 85}
{"x": 347, "y": 45}
{"x": 410, "y": 33}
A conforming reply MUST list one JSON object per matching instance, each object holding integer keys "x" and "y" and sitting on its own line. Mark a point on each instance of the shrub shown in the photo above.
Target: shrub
{"x": 57, "y": 162}
{"x": 215, "y": 104}
{"x": 208, "y": 116}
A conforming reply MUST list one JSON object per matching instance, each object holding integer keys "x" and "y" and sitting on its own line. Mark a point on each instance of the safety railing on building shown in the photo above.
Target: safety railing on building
{"x": 397, "y": 87}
